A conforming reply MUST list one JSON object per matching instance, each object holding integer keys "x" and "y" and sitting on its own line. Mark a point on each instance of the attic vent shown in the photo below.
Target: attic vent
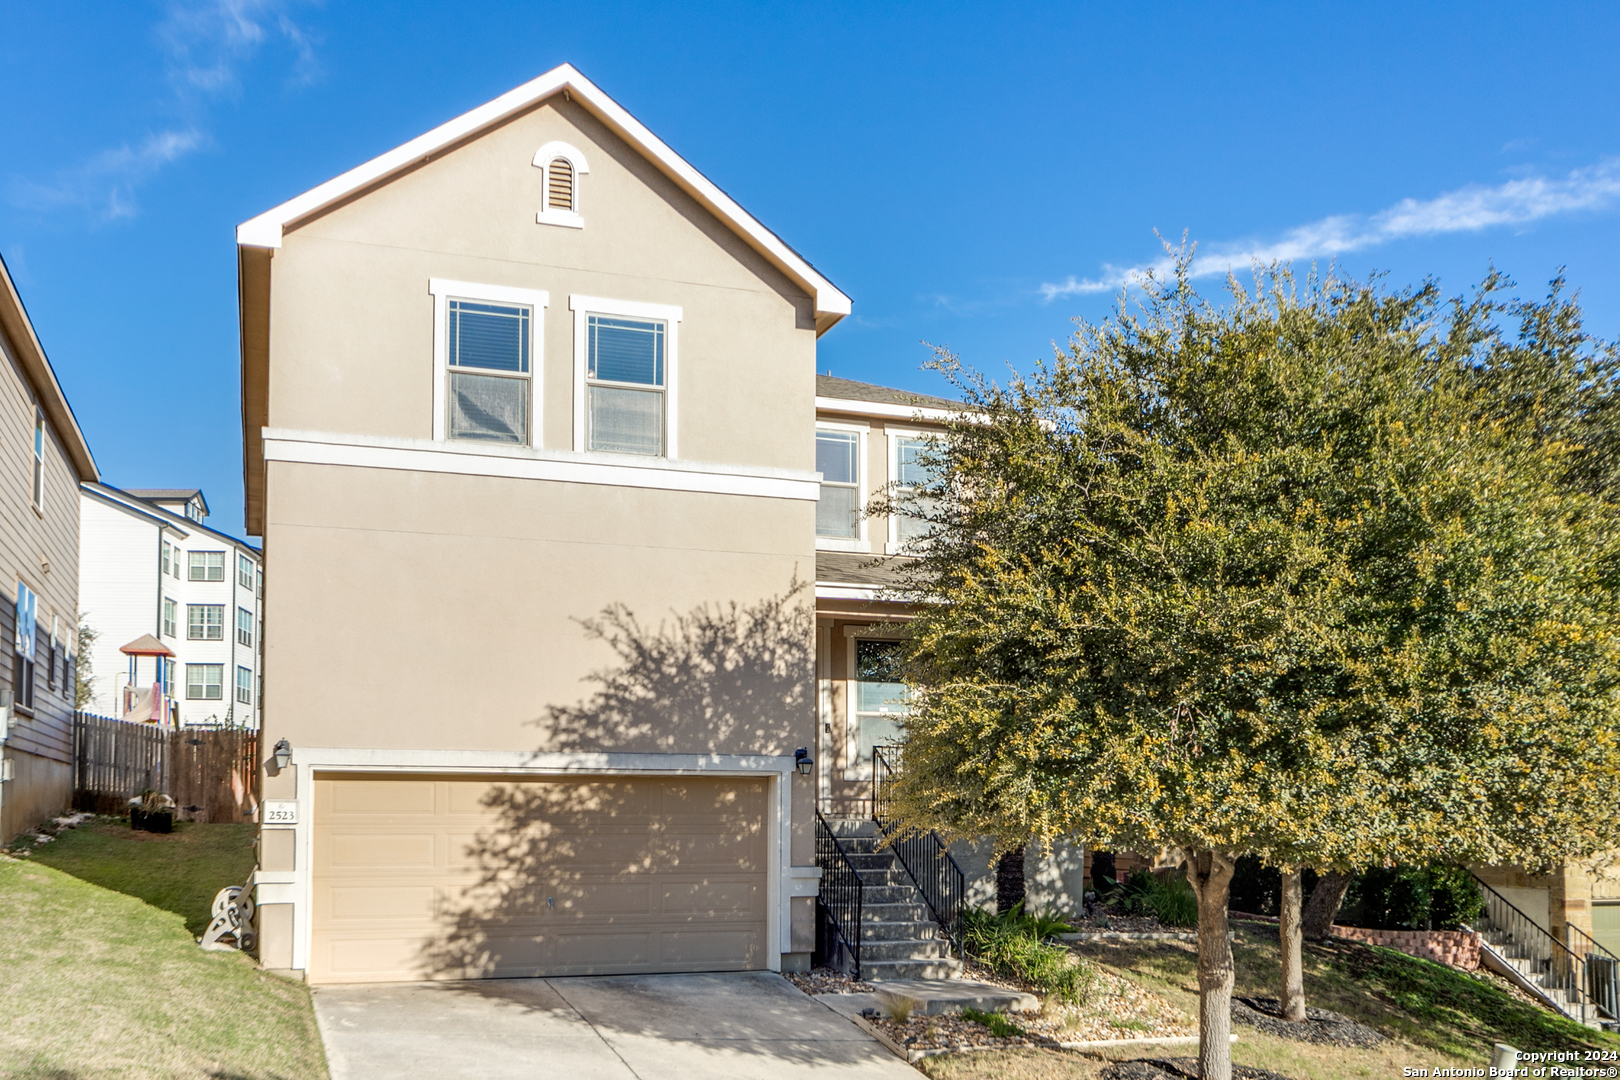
{"x": 560, "y": 184}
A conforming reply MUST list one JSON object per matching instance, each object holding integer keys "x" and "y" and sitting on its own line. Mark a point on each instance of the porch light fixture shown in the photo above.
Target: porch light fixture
{"x": 802, "y": 761}
{"x": 282, "y": 754}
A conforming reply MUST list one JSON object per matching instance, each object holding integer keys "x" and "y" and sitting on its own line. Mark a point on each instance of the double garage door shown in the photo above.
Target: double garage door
{"x": 449, "y": 877}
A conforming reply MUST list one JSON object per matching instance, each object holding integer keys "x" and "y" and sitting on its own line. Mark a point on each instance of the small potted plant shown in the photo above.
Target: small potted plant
{"x": 152, "y": 811}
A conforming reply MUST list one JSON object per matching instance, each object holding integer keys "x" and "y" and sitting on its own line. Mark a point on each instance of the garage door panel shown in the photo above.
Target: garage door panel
{"x": 346, "y": 850}
{"x": 462, "y": 893}
{"x": 394, "y": 797}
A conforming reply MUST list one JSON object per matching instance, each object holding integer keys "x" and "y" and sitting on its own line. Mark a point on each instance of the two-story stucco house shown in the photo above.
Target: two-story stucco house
{"x": 43, "y": 459}
{"x": 527, "y": 369}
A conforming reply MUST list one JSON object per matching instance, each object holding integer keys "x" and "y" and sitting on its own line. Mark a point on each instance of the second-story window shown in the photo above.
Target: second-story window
{"x": 914, "y": 472}
{"x": 625, "y": 384}
{"x": 206, "y": 565}
{"x": 488, "y": 355}
{"x": 166, "y": 550}
{"x": 205, "y": 622}
{"x": 838, "y": 459}
{"x": 169, "y": 609}
{"x": 39, "y": 460}
{"x": 205, "y": 681}
{"x": 244, "y": 571}
{"x": 244, "y": 627}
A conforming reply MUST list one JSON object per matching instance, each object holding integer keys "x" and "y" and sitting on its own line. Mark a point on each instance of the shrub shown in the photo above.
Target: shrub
{"x": 1434, "y": 897}
{"x": 1168, "y": 898}
{"x": 999, "y": 1025}
{"x": 1010, "y": 944}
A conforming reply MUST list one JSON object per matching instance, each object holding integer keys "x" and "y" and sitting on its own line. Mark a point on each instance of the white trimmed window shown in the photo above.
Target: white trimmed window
{"x": 169, "y": 617}
{"x": 166, "y": 550}
{"x": 206, "y": 565}
{"x": 487, "y": 355}
{"x": 244, "y": 685}
{"x": 244, "y": 627}
{"x": 561, "y": 167}
{"x": 840, "y": 459}
{"x": 879, "y": 699}
{"x": 910, "y": 471}
{"x": 625, "y": 365}
{"x": 205, "y": 682}
{"x": 244, "y": 571}
{"x": 205, "y": 622}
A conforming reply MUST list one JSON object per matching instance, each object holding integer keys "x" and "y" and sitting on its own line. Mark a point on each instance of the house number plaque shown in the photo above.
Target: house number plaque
{"x": 280, "y": 812}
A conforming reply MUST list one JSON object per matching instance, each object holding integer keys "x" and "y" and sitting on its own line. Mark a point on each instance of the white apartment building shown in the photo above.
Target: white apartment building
{"x": 150, "y": 567}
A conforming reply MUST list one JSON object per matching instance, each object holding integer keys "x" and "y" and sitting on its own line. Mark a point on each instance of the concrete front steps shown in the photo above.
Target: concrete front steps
{"x": 1498, "y": 951}
{"x": 899, "y": 938}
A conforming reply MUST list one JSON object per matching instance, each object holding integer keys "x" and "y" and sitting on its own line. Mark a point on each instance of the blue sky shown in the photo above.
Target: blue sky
{"x": 973, "y": 176}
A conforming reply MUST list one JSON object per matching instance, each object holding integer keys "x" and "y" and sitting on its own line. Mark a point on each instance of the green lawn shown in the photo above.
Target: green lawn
{"x": 98, "y": 985}
{"x": 179, "y": 871}
{"x": 1431, "y": 1014}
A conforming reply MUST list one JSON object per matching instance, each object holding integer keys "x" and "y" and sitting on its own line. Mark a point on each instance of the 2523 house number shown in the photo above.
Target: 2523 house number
{"x": 280, "y": 812}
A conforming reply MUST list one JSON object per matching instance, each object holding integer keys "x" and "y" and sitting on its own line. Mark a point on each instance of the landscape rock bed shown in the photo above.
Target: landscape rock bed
{"x": 1113, "y": 1008}
{"x": 827, "y": 981}
{"x": 1321, "y": 1026}
{"x": 1178, "y": 1068}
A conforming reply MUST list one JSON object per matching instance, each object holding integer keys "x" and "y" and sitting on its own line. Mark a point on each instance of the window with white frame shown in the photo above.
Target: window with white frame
{"x": 39, "y": 460}
{"x": 488, "y": 355}
{"x": 244, "y": 571}
{"x": 205, "y": 622}
{"x": 244, "y": 627}
{"x": 244, "y": 685}
{"x": 913, "y": 470}
{"x": 838, "y": 509}
{"x": 25, "y": 646}
{"x": 170, "y": 610}
{"x": 166, "y": 550}
{"x": 625, "y": 373}
{"x": 206, "y": 565}
{"x": 166, "y": 675}
{"x": 205, "y": 682}
{"x": 561, "y": 167}
{"x": 880, "y": 703}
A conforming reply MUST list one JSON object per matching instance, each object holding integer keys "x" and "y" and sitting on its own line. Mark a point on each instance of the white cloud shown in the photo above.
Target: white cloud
{"x": 1468, "y": 209}
{"x": 207, "y": 43}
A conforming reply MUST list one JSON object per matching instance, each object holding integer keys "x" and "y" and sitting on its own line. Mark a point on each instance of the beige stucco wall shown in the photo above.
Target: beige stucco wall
{"x": 351, "y": 326}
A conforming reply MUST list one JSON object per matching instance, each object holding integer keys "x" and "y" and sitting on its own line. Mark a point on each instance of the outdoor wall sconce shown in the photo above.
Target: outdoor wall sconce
{"x": 282, "y": 754}
{"x": 802, "y": 761}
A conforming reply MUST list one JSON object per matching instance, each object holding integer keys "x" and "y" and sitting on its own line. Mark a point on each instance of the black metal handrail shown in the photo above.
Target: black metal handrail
{"x": 842, "y": 893}
{"x": 1525, "y": 939}
{"x": 932, "y": 869}
{"x": 1602, "y": 971}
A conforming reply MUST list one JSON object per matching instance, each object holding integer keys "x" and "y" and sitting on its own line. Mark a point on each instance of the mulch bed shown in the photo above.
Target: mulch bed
{"x": 1178, "y": 1068}
{"x": 827, "y": 981}
{"x": 1321, "y": 1026}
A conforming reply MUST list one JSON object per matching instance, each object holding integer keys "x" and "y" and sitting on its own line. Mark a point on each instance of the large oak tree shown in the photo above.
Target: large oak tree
{"x": 1285, "y": 576}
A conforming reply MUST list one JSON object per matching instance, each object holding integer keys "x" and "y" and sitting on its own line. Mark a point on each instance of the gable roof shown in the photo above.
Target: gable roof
{"x": 266, "y": 230}
{"x": 850, "y": 390}
{"x": 19, "y": 330}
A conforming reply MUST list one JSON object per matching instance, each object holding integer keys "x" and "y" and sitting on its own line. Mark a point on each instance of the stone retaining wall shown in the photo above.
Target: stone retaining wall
{"x": 1455, "y": 948}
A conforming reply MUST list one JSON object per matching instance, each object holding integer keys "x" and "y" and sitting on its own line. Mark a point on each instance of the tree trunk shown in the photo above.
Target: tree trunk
{"x": 1210, "y": 873}
{"x": 1010, "y": 879}
{"x": 1293, "y": 948}
{"x": 1323, "y": 907}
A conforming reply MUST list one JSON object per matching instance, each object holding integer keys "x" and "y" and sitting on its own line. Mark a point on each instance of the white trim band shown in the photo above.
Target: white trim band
{"x": 885, "y": 409}
{"x": 526, "y": 463}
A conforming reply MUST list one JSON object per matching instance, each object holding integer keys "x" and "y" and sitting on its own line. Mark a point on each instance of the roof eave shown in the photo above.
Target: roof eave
{"x": 268, "y": 229}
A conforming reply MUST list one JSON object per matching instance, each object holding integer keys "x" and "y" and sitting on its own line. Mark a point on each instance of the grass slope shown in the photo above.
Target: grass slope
{"x": 98, "y": 985}
{"x": 1433, "y": 1016}
{"x": 179, "y": 871}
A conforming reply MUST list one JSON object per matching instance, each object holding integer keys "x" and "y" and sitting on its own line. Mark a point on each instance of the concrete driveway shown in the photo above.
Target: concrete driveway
{"x": 650, "y": 1027}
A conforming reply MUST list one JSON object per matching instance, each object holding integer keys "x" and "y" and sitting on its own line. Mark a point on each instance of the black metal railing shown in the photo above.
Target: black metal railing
{"x": 932, "y": 869}
{"x": 1602, "y": 971}
{"x": 1561, "y": 973}
{"x": 841, "y": 897}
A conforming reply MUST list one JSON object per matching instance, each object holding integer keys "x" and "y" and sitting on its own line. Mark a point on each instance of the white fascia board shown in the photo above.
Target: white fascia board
{"x": 886, "y": 410}
{"x": 832, "y": 590}
{"x": 266, "y": 229}
{"x": 525, "y": 463}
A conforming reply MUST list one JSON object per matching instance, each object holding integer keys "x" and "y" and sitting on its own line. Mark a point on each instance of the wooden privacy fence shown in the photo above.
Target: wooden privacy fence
{"x": 208, "y": 772}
